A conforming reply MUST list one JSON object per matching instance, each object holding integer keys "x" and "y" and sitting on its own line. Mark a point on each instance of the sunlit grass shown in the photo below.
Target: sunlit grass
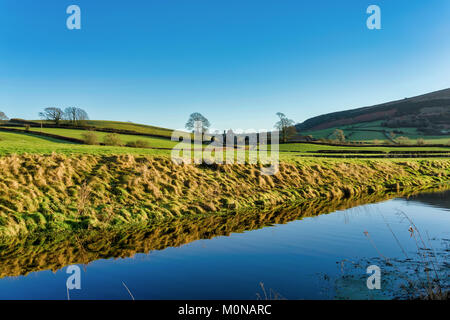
{"x": 119, "y": 125}
{"x": 15, "y": 143}
{"x": 20, "y": 143}
{"x": 78, "y": 134}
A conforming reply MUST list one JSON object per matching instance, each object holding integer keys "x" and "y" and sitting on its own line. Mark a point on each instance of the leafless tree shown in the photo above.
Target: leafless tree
{"x": 75, "y": 115}
{"x": 52, "y": 114}
{"x": 284, "y": 126}
{"x": 339, "y": 135}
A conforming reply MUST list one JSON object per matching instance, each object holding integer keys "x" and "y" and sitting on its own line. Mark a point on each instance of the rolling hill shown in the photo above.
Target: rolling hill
{"x": 426, "y": 116}
{"x": 99, "y": 125}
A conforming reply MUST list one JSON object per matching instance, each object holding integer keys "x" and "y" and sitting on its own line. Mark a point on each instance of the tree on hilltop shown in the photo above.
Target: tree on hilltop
{"x": 75, "y": 115}
{"x": 199, "y": 118}
{"x": 52, "y": 114}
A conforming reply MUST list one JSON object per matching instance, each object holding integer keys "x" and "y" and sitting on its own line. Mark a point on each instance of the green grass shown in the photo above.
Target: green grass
{"x": 432, "y": 140}
{"x": 59, "y": 193}
{"x": 43, "y": 185}
{"x": 356, "y": 132}
{"x": 364, "y": 135}
{"x": 20, "y": 143}
{"x": 141, "y": 128}
{"x": 16, "y": 143}
{"x": 78, "y": 134}
{"x": 304, "y": 147}
{"x": 27, "y": 143}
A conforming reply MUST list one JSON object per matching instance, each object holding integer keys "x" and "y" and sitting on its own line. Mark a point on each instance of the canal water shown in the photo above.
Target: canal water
{"x": 319, "y": 256}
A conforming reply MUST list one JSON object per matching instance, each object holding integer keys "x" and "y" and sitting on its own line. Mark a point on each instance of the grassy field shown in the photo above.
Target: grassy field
{"x": 15, "y": 143}
{"x": 48, "y": 184}
{"x": 20, "y": 143}
{"x": 362, "y": 132}
{"x": 118, "y": 125}
{"x": 304, "y": 147}
{"x": 78, "y": 134}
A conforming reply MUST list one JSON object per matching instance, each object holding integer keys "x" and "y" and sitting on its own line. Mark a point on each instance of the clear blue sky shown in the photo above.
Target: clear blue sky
{"x": 238, "y": 62}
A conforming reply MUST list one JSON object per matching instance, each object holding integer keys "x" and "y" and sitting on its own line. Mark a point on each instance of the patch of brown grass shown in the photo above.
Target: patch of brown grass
{"x": 75, "y": 191}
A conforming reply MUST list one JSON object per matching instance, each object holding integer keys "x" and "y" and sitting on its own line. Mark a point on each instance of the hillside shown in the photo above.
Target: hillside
{"x": 427, "y": 115}
{"x": 100, "y": 125}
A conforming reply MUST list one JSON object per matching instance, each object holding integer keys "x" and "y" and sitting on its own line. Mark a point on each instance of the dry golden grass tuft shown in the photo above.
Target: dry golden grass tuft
{"x": 58, "y": 192}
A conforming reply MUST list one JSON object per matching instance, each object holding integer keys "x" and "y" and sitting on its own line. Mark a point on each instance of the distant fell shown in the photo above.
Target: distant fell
{"x": 428, "y": 113}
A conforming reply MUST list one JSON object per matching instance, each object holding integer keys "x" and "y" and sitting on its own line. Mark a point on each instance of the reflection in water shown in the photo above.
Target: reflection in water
{"x": 286, "y": 257}
{"x": 54, "y": 251}
{"x": 436, "y": 199}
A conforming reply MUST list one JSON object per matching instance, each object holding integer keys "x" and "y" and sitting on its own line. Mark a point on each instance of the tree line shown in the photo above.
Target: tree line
{"x": 284, "y": 125}
{"x": 75, "y": 116}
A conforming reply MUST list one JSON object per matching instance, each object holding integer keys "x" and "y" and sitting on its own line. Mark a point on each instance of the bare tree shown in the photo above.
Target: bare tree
{"x": 339, "y": 135}
{"x": 284, "y": 126}
{"x": 194, "y": 117}
{"x": 70, "y": 114}
{"x": 52, "y": 114}
{"x": 75, "y": 115}
{"x": 82, "y": 115}
{"x": 3, "y": 116}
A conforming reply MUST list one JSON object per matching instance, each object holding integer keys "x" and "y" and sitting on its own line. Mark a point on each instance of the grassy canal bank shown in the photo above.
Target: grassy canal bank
{"x": 59, "y": 192}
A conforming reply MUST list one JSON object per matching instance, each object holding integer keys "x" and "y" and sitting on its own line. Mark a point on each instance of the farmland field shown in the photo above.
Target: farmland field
{"x": 119, "y": 125}
{"x": 19, "y": 143}
{"x": 78, "y": 134}
{"x": 16, "y": 143}
{"x": 372, "y": 131}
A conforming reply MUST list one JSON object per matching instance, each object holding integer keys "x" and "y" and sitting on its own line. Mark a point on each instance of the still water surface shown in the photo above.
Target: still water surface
{"x": 301, "y": 259}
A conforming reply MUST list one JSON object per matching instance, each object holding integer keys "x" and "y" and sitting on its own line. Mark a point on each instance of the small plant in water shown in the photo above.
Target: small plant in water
{"x": 271, "y": 295}
{"x": 419, "y": 276}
